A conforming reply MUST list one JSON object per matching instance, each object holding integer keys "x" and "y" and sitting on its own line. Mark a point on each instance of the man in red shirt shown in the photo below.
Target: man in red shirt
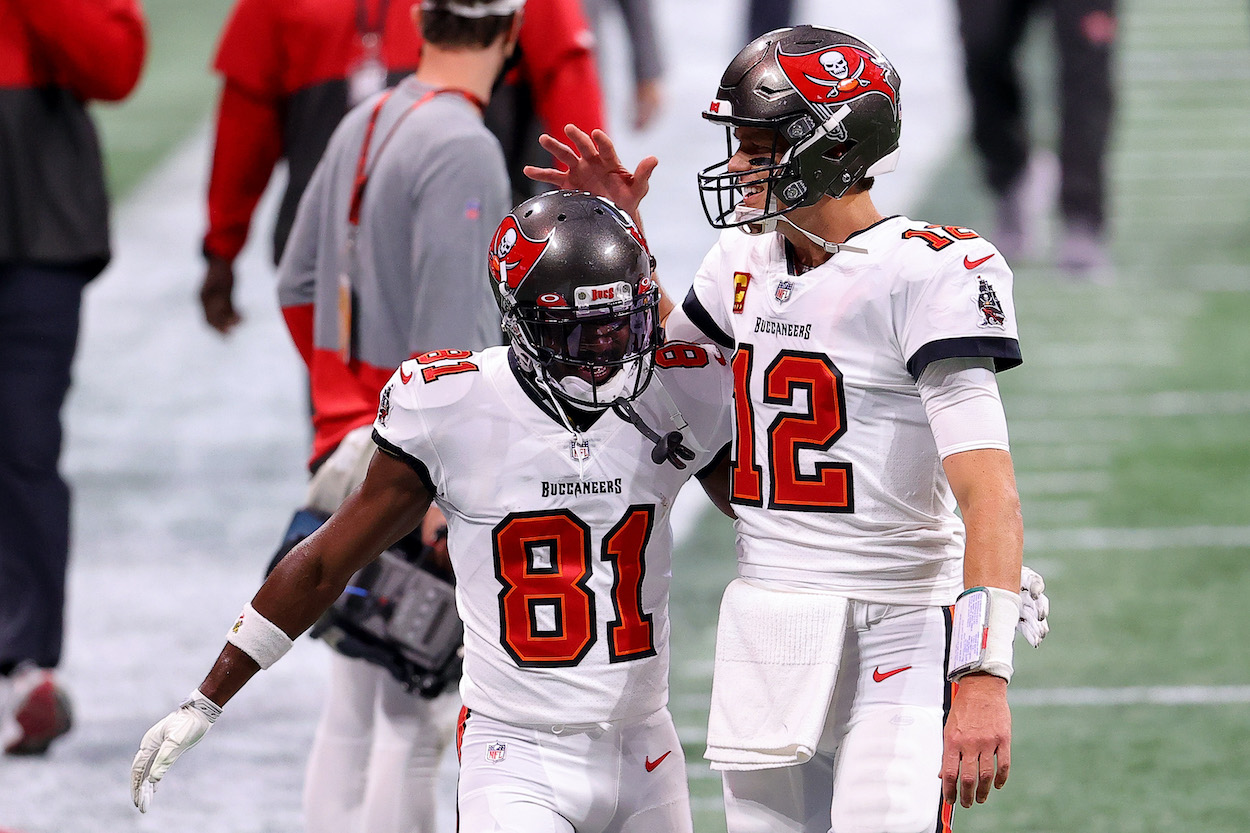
{"x": 55, "y": 55}
{"x": 292, "y": 69}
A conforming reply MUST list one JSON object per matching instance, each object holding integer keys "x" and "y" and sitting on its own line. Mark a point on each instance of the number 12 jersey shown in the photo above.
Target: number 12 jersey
{"x": 836, "y": 478}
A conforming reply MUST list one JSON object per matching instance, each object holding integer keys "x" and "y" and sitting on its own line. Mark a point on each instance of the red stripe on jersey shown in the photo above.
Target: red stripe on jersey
{"x": 461, "y": 722}
{"x": 946, "y": 811}
{"x": 945, "y": 817}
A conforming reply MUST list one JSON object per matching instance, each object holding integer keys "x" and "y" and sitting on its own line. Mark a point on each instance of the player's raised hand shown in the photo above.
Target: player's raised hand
{"x": 593, "y": 165}
{"x": 165, "y": 742}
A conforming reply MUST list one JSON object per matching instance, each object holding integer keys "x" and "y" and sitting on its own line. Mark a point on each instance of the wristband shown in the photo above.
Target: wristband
{"x": 198, "y": 702}
{"x": 982, "y": 632}
{"x": 259, "y": 638}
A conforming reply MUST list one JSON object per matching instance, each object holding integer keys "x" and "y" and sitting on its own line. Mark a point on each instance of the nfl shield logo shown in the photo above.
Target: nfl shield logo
{"x": 580, "y": 449}
{"x": 496, "y": 751}
{"x": 783, "y": 291}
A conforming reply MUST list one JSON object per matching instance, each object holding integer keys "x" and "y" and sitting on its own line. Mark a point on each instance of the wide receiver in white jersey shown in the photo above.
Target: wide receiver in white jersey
{"x": 864, "y": 349}
{"x": 556, "y": 462}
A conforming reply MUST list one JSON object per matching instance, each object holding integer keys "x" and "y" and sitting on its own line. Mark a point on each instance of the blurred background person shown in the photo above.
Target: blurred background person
{"x": 55, "y": 56}
{"x": 767, "y": 15}
{"x": 646, "y": 59}
{"x": 384, "y": 262}
{"x": 1021, "y": 177}
{"x": 292, "y": 68}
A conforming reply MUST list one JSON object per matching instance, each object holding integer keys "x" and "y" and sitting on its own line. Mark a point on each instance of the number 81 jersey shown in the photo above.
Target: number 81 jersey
{"x": 561, "y": 542}
{"x": 836, "y": 478}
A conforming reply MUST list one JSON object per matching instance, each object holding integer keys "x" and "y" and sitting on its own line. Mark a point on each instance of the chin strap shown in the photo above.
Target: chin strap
{"x": 668, "y": 447}
{"x": 673, "y": 446}
{"x": 831, "y": 248}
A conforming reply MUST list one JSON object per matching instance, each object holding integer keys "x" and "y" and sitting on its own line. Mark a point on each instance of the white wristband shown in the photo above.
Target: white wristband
{"x": 982, "y": 632}
{"x": 259, "y": 638}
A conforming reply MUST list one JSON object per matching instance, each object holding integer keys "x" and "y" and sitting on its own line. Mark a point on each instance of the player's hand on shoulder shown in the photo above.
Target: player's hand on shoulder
{"x": 591, "y": 164}
{"x": 165, "y": 742}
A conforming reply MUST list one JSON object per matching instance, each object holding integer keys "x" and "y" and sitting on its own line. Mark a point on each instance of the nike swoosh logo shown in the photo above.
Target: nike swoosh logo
{"x": 877, "y": 676}
{"x": 404, "y": 377}
{"x": 972, "y": 264}
{"x": 651, "y": 765}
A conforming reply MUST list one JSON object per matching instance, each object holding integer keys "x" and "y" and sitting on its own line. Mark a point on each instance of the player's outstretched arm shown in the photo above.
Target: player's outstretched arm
{"x": 594, "y": 166}
{"x": 389, "y": 504}
{"x": 977, "y": 737}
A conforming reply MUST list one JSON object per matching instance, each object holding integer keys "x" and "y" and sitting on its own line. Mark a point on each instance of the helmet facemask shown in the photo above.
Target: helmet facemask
{"x": 830, "y": 101}
{"x": 589, "y": 358}
{"x": 821, "y": 162}
{"x": 728, "y": 190}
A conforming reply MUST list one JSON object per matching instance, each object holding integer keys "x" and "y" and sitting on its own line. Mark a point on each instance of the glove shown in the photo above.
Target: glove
{"x": 165, "y": 742}
{"x": 1034, "y": 607}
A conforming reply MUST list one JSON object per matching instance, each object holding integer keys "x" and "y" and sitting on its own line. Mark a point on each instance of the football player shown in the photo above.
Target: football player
{"x": 556, "y": 461}
{"x": 866, "y": 646}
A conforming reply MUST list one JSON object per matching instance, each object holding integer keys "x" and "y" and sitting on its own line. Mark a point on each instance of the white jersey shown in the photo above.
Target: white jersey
{"x": 836, "y": 476}
{"x": 561, "y": 542}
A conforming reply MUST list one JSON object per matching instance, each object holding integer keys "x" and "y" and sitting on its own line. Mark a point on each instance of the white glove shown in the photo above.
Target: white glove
{"x": 1034, "y": 607}
{"x": 166, "y": 741}
{"x": 342, "y": 471}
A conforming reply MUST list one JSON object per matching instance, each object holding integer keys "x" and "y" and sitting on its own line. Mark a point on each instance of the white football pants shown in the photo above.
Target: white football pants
{"x": 877, "y": 765}
{"x": 374, "y": 761}
{"x": 627, "y": 776}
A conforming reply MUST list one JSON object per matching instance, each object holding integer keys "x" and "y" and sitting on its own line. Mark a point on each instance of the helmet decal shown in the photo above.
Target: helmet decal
{"x": 632, "y": 228}
{"x": 837, "y": 75}
{"x": 512, "y": 254}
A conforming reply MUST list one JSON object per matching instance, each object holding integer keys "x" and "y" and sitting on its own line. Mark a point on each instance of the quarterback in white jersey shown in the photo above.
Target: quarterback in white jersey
{"x": 864, "y": 349}
{"x": 831, "y": 429}
{"x": 556, "y": 461}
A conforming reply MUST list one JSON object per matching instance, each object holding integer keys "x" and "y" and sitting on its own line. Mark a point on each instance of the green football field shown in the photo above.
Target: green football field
{"x": 1130, "y": 424}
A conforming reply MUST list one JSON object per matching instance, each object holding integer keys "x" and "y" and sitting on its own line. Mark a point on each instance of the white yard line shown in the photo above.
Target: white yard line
{"x": 1189, "y": 695}
{"x": 1138, "y": 539}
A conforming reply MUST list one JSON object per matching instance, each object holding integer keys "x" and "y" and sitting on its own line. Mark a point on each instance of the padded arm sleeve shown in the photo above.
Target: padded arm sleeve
{"x": 961, "y": 399}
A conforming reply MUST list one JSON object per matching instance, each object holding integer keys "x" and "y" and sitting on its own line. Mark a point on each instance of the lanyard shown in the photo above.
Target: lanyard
{"x": 363, "y": 168}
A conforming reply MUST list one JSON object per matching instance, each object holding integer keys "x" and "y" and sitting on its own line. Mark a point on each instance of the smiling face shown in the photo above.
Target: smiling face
{"x": 599, "y": 344}
{"x": 758, "y": 149}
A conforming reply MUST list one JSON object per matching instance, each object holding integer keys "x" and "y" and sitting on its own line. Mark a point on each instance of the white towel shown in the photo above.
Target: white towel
{"x": 777, "y": 656}
{"x": 342, "y": 471}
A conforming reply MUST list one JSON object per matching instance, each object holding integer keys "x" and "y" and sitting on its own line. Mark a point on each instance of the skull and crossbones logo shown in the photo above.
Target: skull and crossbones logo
{"x": 506, "y": 243}
{"x": 835, "y": 64}
{"x": 841, "y": 78}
